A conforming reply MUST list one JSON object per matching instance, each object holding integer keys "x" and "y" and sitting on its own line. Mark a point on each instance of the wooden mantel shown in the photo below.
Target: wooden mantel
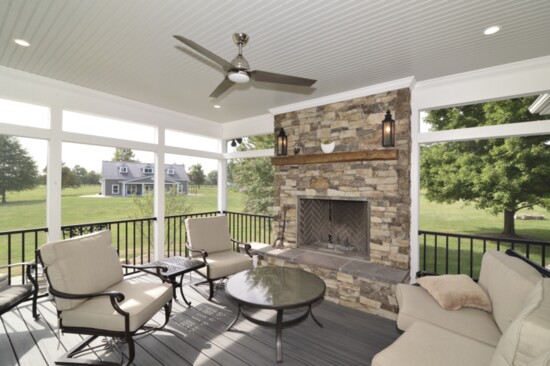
{"x": 338, "y": 157}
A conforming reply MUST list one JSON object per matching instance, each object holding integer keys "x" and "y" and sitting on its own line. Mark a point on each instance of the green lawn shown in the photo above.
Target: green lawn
{"x": 27, "y": 210}
{"x": 460, "y": 219}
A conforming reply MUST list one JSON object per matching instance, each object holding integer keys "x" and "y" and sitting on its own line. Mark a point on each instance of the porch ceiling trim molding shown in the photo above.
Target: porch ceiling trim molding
{"x": 499, "y": 82}
{"x": 407, "y": 82}
{"x": 30, "y": 88}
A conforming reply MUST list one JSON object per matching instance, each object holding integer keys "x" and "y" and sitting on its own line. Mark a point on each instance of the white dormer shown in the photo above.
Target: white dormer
{"x": 123, "y": 169}
{"x": 148, "y": 169}
{"x": 170, "y": 171}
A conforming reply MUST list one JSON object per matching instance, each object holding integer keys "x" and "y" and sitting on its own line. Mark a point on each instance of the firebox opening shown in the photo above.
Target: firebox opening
{"x": 336, "y": 225}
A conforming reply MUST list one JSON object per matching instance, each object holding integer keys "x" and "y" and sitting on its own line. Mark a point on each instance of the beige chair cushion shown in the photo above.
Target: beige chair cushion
{"x": 453, "y": 292}
{"x": 223, "y": 264}
{"x": 508, "y": 281}
{"x": 81, "y": 265}
{"x": 425, "y": 344}
{"x": 142, "y": 301}
{"x": 528, "y": 336}
{"x": 208, "y": 233}
{"x": 415, "y": 303}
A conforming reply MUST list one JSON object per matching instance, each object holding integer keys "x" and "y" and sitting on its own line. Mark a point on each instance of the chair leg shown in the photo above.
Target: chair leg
{"x": 34, "y": 309}
{"x": 211, "y": 285}
{"x": 131, "y": 349}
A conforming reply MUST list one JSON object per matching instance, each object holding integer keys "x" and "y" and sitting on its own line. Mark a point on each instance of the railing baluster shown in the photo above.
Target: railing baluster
{"x": 471, "y": 257}
{"x": 435, "y": 254}
{"x": 446, "y": 254}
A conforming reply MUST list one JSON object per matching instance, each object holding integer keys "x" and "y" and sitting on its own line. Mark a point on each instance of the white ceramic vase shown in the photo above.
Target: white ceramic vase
{"x": 328, "y": 148}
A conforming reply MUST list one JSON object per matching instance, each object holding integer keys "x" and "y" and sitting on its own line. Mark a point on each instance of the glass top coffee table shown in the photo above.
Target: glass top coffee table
{"x": 275, "y": 288}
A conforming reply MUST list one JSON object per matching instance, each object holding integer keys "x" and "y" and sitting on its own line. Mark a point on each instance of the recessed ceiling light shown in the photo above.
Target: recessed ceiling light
{"x": 22, "y": 42}
{"x": 491, "y": 30}
{"x": 217, "y": 106}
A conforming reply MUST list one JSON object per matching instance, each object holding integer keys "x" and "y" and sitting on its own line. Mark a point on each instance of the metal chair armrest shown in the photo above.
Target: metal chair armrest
{"x": 242, "y": 245}
{"x": 145, "y": 267}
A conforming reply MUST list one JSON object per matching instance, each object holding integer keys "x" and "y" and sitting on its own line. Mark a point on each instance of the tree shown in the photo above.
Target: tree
{"x": 80, "y": 173}
{"x": 68, "y": 178}
{"x": 124, "y": 154}
{"x": 212, "y": 178}
{"x": 497, "y": 175}
{"x": 196, "y": 174}
{"x": 174, "y": 204}
{"x": 18, "y": 170}
{"x": 254, "y": 177}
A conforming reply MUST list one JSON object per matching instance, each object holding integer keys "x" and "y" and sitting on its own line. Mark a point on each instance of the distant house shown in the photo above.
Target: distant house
{"x": 121, "y": 179}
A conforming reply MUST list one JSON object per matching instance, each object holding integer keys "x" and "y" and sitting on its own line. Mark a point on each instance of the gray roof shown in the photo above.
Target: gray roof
{"x": 110, "y": 170}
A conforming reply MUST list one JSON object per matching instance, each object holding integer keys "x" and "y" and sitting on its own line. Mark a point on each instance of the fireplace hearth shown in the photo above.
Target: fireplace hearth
{"x": 340, "y": 226}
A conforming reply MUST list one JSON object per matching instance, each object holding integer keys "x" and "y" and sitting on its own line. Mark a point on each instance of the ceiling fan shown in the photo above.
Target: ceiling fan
{"x": 238, "y": 70}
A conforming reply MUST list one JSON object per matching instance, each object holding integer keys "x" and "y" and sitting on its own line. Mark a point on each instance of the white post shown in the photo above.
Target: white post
{"x": 415, "y": 193}
{"x": 222, "y": 179}
{"x": 159, "y": 196}
{"x": 53, "y": 180}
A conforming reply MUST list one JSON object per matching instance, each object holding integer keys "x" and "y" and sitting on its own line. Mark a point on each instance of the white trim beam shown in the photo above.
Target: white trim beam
{"x": 250, "y": 154}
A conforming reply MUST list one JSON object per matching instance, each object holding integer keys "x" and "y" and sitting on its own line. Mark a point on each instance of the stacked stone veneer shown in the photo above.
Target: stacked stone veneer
{"x": 354, "y": 125}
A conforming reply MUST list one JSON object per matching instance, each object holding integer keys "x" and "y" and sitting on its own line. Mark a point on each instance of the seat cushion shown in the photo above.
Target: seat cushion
{"x": 415, "y": 303}
{"x": 528, "y": 337}
{"x": 142, "y": 301}
{"x": 81, "y": 265}
{"x": 508, "y": 280}
{"x": 425, "y": 344}
{"x": 11, "y": 295}
{"x": 223, "y": 264}
{"x": 208, "y": 233}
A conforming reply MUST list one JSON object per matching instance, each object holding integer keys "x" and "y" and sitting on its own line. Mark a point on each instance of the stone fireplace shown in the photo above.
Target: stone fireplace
{"x": 347, "y": 212}
{"x": 375, "y": 175}
{"x": 338, "y": 226}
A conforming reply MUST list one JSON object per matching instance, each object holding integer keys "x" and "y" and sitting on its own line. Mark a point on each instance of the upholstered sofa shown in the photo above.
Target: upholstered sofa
{"x": 516, "y": 332}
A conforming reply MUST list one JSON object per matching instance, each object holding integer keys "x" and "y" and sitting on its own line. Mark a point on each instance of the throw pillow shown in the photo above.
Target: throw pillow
{"x": 452, "y": 292}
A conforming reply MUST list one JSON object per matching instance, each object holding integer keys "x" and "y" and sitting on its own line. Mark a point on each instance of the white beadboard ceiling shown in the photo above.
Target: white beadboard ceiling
{"x": 126, "y": 48}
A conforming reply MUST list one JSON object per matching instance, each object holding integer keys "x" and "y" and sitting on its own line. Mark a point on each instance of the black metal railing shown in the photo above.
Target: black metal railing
{"x": 132, "y": 238}
{"x": 20, "y": 246}
{"x": 446, "y": 253}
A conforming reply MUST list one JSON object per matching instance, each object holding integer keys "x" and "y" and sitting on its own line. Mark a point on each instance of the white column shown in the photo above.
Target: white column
{"x": 53, "y": 181}
{"x": 222, "y": 179}
{"x": 159, "y": 195}
{"x": 415, "y": 191}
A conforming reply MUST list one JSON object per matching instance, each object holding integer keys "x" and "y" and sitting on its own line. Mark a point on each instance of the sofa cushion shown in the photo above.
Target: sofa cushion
{"x": 542, "y": 360}
{"x": 81, "y": 265}
{"x": 425, "y": 344}
{"x": 142, "y": 301}
{"x": 10, "y": 295}
{"x": 528, "y": 336}
{"x": 223, "y": 264}
{"x": 453, "y": 292}
{"x": 3, "y": 279}
{"x": 208, "y": 233}
{"x": 508, "y": 280}
{"x": 415, "y": 303}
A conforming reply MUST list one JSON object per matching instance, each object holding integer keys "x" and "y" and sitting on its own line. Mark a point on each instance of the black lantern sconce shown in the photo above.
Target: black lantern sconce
{"x": 388, "y": 131}
{"x": 282, "y": 143}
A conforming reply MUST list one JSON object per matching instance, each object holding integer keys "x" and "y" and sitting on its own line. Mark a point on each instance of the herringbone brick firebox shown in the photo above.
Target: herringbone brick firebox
{"x": 334, "y": 225}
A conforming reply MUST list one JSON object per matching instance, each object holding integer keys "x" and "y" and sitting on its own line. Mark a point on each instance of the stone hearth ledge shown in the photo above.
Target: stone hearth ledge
{"x": 351, "y": 282}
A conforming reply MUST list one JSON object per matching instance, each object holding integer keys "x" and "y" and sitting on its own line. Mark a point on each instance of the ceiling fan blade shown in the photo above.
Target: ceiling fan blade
{"x": 226, "y": 65}
{"x": 270, "y": 77}
{"x": 222, "y": 88}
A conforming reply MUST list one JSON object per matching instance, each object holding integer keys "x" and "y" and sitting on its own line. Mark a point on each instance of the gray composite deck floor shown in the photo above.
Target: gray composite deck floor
{"x": 196, "y": 336}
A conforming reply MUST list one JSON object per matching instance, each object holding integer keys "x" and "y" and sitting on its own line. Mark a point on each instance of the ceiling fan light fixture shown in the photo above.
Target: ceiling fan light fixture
{"x": 239, "y": 76}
